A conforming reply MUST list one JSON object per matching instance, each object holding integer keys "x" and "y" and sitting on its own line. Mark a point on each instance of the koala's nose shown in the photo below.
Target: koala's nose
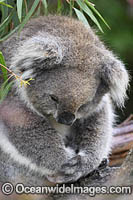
{"x": 66, "y": 118}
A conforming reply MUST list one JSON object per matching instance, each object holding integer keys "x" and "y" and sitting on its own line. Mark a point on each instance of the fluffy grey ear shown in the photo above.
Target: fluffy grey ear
{"x": 117, "y": 79}
{"x": 41, "y": 51}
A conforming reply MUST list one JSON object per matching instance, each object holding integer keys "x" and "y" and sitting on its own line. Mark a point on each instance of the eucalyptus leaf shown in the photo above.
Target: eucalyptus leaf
{"x": 4, "y": 12}
{"x": 96, "y": 11}
{"x": 45, "y": 3}
{"x": 19, "y": 9}
{"x": 31, "y": 11}
{"x": 88, "y": 11}
{"x": 5, "y": 88}
{"x": 45, "y": 6}
{"x": 9, "y": 34}
{"x": 81, "y": 16}
{"x": 4, "y": 4}
{"x": 4, "y": 71}
{"x": 7, "y": 20}
{"x": 59, "y": 6}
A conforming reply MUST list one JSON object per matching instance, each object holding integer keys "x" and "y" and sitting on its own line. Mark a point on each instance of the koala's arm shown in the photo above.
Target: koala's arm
{"x": 32, "y": 143}
{"x": 92, "y": 143}
{"x": 93, "y": 139}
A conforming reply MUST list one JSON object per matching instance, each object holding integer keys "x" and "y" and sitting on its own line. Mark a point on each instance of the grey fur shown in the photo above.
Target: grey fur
{"x": 73, "y": 72}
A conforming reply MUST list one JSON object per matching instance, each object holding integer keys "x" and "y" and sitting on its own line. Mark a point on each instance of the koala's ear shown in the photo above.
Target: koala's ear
{"x": 41, "y": 51}
{"x": 116, "y": 77}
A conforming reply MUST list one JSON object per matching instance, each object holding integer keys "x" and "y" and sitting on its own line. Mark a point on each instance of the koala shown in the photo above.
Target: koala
{"x": 58, "y": 128}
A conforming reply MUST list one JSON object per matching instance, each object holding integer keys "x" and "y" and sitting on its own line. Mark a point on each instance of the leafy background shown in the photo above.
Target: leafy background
{"x": 117, "y": 13}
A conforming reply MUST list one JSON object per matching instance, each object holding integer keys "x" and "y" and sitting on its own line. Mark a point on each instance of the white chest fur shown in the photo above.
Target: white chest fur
{"x": 62, "y": 129}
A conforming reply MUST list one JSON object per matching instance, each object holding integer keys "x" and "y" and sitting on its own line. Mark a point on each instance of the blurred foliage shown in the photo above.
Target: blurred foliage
{"x": 2, "y": 62}
{"x": 120, "y": 38}
{"x": 16, "y": 13}
{"x": 119, "y": 15}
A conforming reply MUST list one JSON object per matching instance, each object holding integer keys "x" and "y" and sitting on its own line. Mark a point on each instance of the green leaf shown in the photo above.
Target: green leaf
{"x": 19, "y": 9}
{"x": 5, "y": 88}
{"x": 4, "y": 71}
{"x": 88, "y": 11}
{"x": 4, "y": 4}
{"x": 59, "y": 6}
{"x": 4, "y": 12}
{"x": 7, "y": 20}
{"x": 71, "y": 2}
{"x": 35, "y": 4}
{"x": 45, "y": 3}
{"x": 45, "y": 6}
{"x": 96, "y": 11}
{"x": 9, "y": 34}
{"x": 81, "y": 16}
{"x": 2, "y": 1}
{"x": 15, "y": 19}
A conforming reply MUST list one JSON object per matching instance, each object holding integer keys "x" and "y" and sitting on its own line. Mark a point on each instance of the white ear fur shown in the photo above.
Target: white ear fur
{"x": 42, "y": 47}
{"x": 117, "y": 78}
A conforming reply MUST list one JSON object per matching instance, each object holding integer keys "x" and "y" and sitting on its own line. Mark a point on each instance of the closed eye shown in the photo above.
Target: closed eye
{"x": 83, "y": 107}
{"x": 54, "y": 98}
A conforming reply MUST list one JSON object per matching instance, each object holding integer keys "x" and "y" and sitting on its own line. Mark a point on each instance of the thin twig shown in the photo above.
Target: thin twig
{"x": 22, "y": 82}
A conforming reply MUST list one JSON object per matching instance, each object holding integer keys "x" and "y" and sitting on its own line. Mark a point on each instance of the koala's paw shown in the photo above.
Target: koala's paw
{"x": 71, "y": 166}
{"x": 69, "y": 172}
{"x": 65, "y": 178}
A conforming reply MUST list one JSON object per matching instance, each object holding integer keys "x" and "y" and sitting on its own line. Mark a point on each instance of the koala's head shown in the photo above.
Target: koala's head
{"x": 70, "y": 78}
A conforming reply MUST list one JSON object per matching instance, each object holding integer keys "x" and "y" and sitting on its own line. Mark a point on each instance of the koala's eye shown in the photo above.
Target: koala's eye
{"x": 83, "y": 107}
{"x": 54, "y": 98}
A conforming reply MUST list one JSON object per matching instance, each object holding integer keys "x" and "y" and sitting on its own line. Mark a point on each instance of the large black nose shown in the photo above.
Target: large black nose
{"x": 66, "y": 118}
